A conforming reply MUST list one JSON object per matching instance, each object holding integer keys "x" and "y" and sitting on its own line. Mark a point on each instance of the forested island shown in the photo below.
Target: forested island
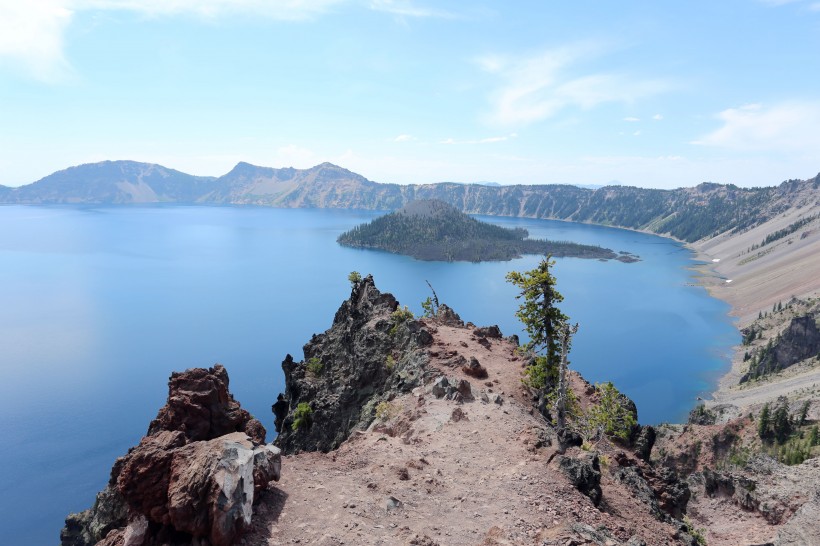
{"x": 435, "y": 231}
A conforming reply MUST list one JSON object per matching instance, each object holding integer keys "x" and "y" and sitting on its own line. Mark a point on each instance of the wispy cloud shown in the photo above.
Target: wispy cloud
{"x": 657, "y": 117}
{"x": 789, "y": 127}
{"x": 538, "y": 87}
{"x": 404, "y": 138}
{"x": 632, "y": 120}
{"x": 31, "y": 33}
{"x": 276, "y": 9}
{"x": 487, "y": 140}
{"x": 407, "y": 8}
{"x": 810, "y": 5}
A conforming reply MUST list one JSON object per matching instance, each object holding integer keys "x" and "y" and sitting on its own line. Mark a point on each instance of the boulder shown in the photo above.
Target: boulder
{"x": 488, "y": 331}
{"x": 475, "y": 369}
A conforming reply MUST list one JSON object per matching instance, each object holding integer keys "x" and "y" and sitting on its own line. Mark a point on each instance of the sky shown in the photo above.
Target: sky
{"x": 641, "y": 93}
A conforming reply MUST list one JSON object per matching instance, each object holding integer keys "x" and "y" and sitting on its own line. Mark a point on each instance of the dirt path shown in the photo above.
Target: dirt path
{"x": 440, "y": 472}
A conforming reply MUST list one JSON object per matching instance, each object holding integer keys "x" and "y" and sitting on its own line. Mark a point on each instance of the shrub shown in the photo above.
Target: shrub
{"x": 399, "y": 317}
{"x": 314, "y": 366}
{"x": 390, "y": 363}
{"x": 540, "y": 375}
{"x": 303, "y": 416}
{"x": 427, "y": 307}
{"x": 697, "y": 534}
{"x": 355, "y": 278}
{"x": 610, "y": 414}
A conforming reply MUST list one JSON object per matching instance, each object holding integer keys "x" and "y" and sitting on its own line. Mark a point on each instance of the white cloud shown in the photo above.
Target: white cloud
{"x": 404, "y": 138}
{"x": 657, "y": 117}
{"x": 632, "y": 120}
{"x": 406, "y": 8}
{"x": 636, "y": 133}
{"x": 487, "y": 140}
{"x": 538, "y": 87}
{"x": 275, "y": 9}
{"x": 31, "y": 33}
{"x": 789, "y": 127}
{"x": 812, "y": 6}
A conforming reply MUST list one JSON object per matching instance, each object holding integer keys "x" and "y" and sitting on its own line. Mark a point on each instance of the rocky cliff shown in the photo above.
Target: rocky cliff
{"x": 370, "y": 353}
{"x": 192, "y": 479}
{"x": 800, "y": 340}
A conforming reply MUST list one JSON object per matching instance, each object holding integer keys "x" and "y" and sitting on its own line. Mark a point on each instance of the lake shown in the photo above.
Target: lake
{"x": 99, "y": 305}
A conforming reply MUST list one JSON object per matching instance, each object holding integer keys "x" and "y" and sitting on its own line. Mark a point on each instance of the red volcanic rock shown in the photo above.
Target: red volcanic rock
{"x": 194, "y": 477}
{"x": 200, "y": 406}
{"x": 144, "y": 474}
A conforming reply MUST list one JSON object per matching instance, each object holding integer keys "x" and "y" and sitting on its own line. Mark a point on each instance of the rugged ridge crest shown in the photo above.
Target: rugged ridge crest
{"x": 368, "y": 355}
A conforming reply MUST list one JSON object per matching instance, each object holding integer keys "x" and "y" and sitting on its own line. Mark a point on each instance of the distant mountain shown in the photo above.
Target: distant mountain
{"x": 433, "y": 230}
{"x": 112, "y": 182}
{"x": 689, "y": 214}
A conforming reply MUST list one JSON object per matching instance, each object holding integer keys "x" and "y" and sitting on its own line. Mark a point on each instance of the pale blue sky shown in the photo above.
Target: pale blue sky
{"x": 653, "y": 94}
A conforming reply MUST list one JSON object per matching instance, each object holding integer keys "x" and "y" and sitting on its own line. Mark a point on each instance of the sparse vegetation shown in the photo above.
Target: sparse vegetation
{"x": 610, "y": 415}
{"x": 386, "y": 411}
{"x": 314, "y": 366}
{"x": 355, "y": 278}
{"x": 695, "y": 533}
{"x": 399, "y": 317}
{"x": 390, "y": 363}
{"x": 302, "y": 417}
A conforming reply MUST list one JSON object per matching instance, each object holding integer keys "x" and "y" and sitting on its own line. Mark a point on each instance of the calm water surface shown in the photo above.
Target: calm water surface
{"x": 99, "y": 305}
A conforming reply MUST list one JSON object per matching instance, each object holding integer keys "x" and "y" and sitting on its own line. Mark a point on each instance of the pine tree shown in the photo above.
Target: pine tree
{"x": 763, "y": 421}
{"x": 804, "y": 413}
{"x": 781, "y": 424}
{"x": 542, "y": 320}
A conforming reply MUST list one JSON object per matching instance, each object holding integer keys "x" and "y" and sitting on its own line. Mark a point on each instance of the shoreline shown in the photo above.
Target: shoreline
{"x": 763, "y": 287}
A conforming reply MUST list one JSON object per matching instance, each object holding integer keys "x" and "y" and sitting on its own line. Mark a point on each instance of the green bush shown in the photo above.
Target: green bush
{"x": 399, "y": 317}
{"x": 355, "y": 278}
{"x": 610, "y": 415}
{"x": 390, "y": 363}
{"x": 302, "y": 417}
{"x": 315, "y": 367}
{"x": 540, "y": 375}
{"x": 427, "y": 307}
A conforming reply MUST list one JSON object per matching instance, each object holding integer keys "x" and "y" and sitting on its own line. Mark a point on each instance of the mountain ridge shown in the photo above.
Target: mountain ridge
{"x": 687, "y": 214}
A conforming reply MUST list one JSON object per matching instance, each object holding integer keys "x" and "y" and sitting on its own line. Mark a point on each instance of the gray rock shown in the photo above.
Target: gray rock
{"x": 584, "y": 473}
{"x": 392, "y": 503}
{"x": 644, "y": 442}
{"x": 488, "y": 331}
{"x": 440, "y": 387}
{"x": 366, "y": 357}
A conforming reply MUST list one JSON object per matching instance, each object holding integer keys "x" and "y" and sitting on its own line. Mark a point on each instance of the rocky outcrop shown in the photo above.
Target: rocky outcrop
{"x": 799, "y": 341}
{"x": 584, "y": 473}
{"x": 372, "y": 351}
{"x": 194, "y": 476}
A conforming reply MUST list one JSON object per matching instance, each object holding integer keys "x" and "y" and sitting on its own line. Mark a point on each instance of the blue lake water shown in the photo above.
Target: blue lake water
{"x": 99, "y": 305}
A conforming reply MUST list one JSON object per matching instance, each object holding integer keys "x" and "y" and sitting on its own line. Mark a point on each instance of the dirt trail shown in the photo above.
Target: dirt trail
{"x": 440, "y": 472}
